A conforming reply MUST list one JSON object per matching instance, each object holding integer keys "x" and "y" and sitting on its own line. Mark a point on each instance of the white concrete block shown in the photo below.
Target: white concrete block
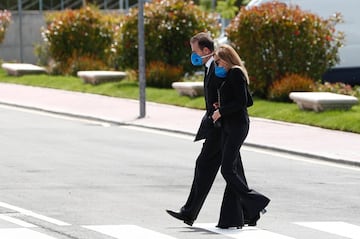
{"x": 191, "y": 89}
{"x": 319, "y": 101}
{"x": 96, "y": 77}
{"x": 18, "y": 69}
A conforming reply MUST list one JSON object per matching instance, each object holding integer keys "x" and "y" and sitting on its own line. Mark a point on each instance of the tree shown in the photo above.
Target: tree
{"x": 275, "y": 39}
{"x": 227, "y": 8}
{"x": 169, "y": 25}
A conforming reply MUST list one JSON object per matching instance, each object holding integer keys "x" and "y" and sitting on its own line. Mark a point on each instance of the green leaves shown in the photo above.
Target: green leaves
{"x": 72, "y": 35}
{"x": 169, "y": 25}
{"x": 275, "y": 39}
{"x": 227, "y": 8}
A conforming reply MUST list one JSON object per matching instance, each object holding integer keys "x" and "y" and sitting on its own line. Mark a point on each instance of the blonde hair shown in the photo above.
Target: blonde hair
{"x": 228, "y": 54}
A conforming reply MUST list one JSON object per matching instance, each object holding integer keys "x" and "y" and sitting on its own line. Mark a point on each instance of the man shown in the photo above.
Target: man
{"x": 209, "y": 159}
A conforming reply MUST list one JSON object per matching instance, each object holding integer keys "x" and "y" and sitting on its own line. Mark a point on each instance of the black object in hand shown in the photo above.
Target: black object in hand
{"x": 217, "y": 124}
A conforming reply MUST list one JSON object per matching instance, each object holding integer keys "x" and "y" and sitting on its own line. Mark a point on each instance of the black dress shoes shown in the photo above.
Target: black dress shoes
{"x": 252, "y": 222}
{"x": 181, "y": 216}
{"x": 228, "y": 227}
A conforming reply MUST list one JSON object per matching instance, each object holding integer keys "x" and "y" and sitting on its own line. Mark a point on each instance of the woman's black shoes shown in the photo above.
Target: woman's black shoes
{"x": 252, "y": 222}
{"x": 228, "y": 227}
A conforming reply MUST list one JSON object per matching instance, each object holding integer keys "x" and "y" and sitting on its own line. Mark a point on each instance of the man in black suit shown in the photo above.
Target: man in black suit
{"x": 209, "y": 159}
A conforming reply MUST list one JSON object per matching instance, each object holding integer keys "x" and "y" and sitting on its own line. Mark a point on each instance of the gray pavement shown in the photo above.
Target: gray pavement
{"x": 300, "y": 139}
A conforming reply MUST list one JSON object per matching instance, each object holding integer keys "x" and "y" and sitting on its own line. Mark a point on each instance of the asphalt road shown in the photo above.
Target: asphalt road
{"x": 70, "y": 178}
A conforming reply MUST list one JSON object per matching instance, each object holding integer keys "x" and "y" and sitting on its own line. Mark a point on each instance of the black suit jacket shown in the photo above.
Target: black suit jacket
{"x": 211, "y": 85}
{"x": 233, "y": 99}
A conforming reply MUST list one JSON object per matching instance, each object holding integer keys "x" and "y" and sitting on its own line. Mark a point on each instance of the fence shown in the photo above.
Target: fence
{"x": 44, "y": 5}
{"x": 28, "y": 17}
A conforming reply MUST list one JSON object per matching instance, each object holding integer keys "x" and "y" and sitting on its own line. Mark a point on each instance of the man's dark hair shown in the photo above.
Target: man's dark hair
{"x": 204, "y": 40}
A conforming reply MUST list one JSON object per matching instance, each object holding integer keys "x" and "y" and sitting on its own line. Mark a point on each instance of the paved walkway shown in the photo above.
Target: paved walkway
{"x": 295, "y": 138}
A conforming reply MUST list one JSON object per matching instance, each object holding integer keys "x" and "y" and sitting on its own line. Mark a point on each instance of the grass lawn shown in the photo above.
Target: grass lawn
{"x": 334, "y": 119}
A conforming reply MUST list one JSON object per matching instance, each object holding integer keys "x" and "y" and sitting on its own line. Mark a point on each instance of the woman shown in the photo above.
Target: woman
{"x": 240, "y": 205}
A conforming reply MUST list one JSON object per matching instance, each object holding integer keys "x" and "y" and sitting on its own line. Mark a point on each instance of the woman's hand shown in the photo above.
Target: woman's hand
{"x": 216, "y": 115}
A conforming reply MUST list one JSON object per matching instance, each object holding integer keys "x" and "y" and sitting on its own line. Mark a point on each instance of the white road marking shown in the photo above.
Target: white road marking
{"x": 57, "y": 115}
{"x": 33, "y": 214}
{"x": 300, "y": 158}
{"x": 251, "y": 149}
{"x": 244, "y": 233}
{"x": 159, "y": 132}
{"x": 338, "y": 228}
{"x": 22, "y": 233}
{"x": 16, "y": 221}
{"x": 128, "y": 232}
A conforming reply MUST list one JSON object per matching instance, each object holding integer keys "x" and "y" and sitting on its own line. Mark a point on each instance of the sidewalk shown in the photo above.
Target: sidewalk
{"x": 295, "y": 138}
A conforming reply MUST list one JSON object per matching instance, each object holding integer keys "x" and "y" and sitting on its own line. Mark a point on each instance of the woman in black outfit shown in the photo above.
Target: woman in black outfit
{"x": 241, "y": 205}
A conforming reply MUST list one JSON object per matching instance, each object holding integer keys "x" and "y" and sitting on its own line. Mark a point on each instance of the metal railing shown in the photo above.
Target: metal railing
{"x": 40, "y": 5}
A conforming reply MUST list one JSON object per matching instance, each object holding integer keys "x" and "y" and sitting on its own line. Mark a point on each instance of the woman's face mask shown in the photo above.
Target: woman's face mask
{"x": 197, "y": 60}
{"x": 220, "y": 71}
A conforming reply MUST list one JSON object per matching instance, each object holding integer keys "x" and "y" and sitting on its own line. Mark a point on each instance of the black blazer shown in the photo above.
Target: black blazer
{"x": 211, "y": 84}
{"x": 233, "y": 99}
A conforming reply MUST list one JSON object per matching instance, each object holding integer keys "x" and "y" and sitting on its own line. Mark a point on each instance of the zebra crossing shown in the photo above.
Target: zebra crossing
{"x": 128, "y": 232}
{"x": 24, "y": 230}
{"x": 22, "y": 233}
{"x": 245, "y": 233}
{"x": 342, "y": 229}
{"x": 12, "y": 226}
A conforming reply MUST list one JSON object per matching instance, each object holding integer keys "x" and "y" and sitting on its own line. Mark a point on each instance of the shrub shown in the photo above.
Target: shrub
{"x": 275, "y": 39}
{"x": 84, "y": 63}
{"x": 339, "y": 88}
{"x": 5, "y": 18}
{"x": 280, "y": 90}
{"x": 74, "y": 34}
{"x": 41, "y": 51}
{"x": 160, "y": 74}
{"x": 169, "y": 25}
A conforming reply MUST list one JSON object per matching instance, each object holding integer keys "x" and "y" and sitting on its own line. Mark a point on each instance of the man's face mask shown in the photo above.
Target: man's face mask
{"x": 197, "y": 60}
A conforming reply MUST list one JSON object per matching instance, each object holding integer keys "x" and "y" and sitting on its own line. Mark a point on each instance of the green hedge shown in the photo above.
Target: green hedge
{"x": 275, "y": 39}
{"x": 169, "y": 25}
{"x": 77, "y": 39}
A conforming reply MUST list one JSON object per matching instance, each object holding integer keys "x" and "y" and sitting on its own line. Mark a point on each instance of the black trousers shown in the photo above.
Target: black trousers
{"x": 206, "y": 168}
{"x": 239, "y": 202}
{"x": 207, "y": 165}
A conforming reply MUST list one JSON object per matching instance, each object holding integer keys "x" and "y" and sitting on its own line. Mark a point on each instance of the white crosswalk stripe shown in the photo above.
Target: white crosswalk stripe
{"x": 244, "y": 233}
{"x": 22, "y": 233}
{"x": 33, "y": 214}
{"x": 16, "y": 221}
{"x": 338, "y": 228}
{"x": 24, "y": 230}
{"x": 128, "y": 232}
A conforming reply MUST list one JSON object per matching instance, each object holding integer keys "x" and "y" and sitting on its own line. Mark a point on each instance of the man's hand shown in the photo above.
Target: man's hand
{"x": 216, "y": 115}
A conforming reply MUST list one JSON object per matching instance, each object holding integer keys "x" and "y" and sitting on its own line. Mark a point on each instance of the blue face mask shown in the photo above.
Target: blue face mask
{"x": 196, "y": 60}
{"x": 220, "y": 71}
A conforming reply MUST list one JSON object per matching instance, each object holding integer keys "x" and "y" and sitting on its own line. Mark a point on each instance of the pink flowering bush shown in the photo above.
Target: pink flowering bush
{"x": 339, "y": 88}
{"x": 275, "y": 39}
{"x": 5, "y": 17}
